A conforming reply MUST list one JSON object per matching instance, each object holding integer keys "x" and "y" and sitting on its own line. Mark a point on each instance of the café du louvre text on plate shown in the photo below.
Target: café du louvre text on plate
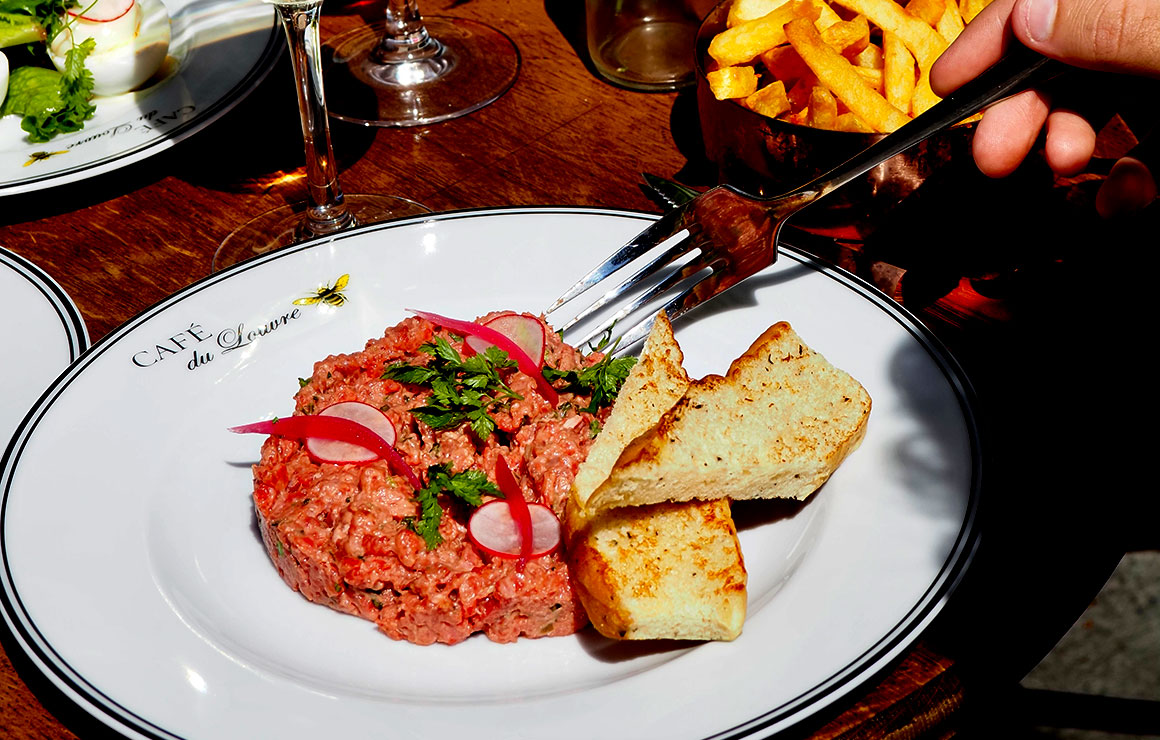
{"x": 189, "y": 632}
{"x": 219, "y": 51}
{"x": 42, "y": 324}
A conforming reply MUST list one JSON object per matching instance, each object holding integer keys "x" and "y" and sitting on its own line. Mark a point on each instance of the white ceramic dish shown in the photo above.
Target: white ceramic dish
{"x": 42, "y": 323}
{"x": 220, "y": 49}
{"x": 188, "y": 631}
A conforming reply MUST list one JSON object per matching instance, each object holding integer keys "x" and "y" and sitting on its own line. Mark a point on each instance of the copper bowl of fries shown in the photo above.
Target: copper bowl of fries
{"x": 766, "y": 155}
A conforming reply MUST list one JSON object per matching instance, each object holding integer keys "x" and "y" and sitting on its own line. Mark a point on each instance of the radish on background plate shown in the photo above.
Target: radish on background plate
{"x": 101, "y": 11}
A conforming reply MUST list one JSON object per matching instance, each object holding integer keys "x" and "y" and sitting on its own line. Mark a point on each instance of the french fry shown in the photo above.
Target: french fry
{"x": 970, "y": 8}
{"x": 799, "y": 94}
{"x": 818, "y": 11}
{"x": 848, "y": 37}
{"x": 741, "y": 44}
{"x": 732, "y": 82}
{"x": 746, "y": 10}
{"x": 920, "y": 37}
{"x": 874, "y": 79}
{"x": 770, "y": 100}
{"x": 870, "y": 57}
{"x": 951, "y": 24}
{"x": 811, "y": 9}
{"x": 897, "y": 71}
{"x": 849, "y": 122}
{"x": 888, "y": 46}
{"x": 837, "y": 73}
{"x": 924, "y": 97}
{"x": 929, "y": 11}
{"x": 798, "y": 117}
{"x": 823, "y": 108}
{"x": 784, "y": 64}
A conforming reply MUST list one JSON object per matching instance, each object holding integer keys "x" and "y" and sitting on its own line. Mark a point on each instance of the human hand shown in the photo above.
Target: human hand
{"x": 1117, "y": 36}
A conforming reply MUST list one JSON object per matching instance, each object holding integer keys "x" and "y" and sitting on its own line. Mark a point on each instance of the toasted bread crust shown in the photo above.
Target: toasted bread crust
{"x": 776, "y": 425}
{"x": 666, "y": 571}
{"x": 669, "y": 571}
{"x": 657, "y": 381}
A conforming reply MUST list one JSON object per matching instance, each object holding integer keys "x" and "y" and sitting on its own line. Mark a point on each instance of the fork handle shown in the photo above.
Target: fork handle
{"x": 1018, "y": 69}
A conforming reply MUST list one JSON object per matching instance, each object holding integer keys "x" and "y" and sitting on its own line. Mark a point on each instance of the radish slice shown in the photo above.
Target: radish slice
{"x": 336, "y": 428}
{"x": 492, "y": 336}
{"x": 527, "y": 332}
{"x": 336, "y": 451}
{"x": 494, "y": 531}
{"x": 101, "y": 11}
{"x": 517, "y": 507}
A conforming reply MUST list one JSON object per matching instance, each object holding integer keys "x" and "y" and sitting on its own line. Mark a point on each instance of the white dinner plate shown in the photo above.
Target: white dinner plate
{"x": 220, "y": 50}
{"x": 155, "y": 607}
{"x": 40, "y": 324}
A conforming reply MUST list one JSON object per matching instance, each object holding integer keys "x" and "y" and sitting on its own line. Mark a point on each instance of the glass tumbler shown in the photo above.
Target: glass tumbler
{"x": 643, "y": 44}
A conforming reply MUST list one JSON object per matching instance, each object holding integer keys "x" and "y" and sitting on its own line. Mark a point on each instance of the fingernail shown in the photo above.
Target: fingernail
{"x": 1041, "y": 18}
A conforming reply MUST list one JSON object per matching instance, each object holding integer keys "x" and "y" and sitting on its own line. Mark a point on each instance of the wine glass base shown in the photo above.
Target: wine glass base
{"x": 283, "y": 226}
{"x": 476, "y": 65}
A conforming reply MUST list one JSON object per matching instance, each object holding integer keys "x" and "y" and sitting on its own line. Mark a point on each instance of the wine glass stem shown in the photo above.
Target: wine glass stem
{"x": 406, "y": 37}
{"x": 325, "y": 212}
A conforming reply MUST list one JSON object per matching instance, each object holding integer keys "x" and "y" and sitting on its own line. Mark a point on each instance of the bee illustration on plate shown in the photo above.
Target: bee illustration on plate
{"x": 41, "y": 156}
{"x": 330, "y": 295}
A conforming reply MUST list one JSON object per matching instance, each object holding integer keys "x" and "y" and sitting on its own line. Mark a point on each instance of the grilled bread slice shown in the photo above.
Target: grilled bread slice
{"x": 667, "y": 571}
{"x": 776, "y": 425}
{"x": 661, "y": 572}
{"x": 657, "y": 381}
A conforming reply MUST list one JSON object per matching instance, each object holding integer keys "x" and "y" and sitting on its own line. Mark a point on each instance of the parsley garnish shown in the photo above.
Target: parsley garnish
{"x": 462, "y": 390}
{"x": 602, "y": 380}
{"x": 468, "y": 486}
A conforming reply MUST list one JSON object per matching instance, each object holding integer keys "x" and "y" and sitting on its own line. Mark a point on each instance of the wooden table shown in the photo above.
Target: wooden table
{"x": 1020, "y": 279}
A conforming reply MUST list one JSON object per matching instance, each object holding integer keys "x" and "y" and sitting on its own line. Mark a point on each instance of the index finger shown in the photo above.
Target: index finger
{"x": 981, "y": 44}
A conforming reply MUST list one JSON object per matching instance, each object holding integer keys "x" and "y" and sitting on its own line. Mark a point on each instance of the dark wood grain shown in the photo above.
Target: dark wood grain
{"x": 1013, "y": 305}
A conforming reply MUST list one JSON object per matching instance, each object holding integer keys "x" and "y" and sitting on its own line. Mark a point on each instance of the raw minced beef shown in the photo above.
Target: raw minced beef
{"x": 342, "y": 534}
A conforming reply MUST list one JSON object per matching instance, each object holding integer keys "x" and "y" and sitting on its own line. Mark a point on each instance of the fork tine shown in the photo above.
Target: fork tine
{"x": 663, "y": 228}
{"x": 665, "y": 258}
{"x": 687, "y": 271}
{"x": 674, "y": 308}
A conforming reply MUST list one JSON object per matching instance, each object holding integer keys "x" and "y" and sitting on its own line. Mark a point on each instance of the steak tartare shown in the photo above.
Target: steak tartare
{"x": 356, "y": 538}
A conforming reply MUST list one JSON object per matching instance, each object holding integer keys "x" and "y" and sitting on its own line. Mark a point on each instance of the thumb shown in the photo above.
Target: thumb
{"x": 1109, "y": 35}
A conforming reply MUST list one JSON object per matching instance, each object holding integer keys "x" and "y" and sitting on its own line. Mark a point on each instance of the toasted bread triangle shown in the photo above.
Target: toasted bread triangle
{"x": 653, "y": 386}
{"x": 776, "y": 425}
{"x": 667, "y": 571}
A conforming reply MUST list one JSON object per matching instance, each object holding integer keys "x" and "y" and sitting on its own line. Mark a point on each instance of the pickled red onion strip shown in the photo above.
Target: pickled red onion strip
{"x": 505, "y": 343}
{"x": 514, "y": 496}
{"x": 336, "y": 428}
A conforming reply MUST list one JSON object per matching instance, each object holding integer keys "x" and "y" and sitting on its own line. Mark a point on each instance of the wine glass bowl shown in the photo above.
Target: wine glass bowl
{"x": 410, "y": 70}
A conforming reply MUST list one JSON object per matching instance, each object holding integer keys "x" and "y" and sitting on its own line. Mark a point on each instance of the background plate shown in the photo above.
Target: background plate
{"x": 40, "y": 322}
{"x": 189, "y": 632}
{"x": 222, "y": 48}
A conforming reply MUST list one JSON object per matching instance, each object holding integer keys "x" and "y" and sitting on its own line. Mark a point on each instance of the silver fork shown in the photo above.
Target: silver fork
{"x": 729, "y": 239}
